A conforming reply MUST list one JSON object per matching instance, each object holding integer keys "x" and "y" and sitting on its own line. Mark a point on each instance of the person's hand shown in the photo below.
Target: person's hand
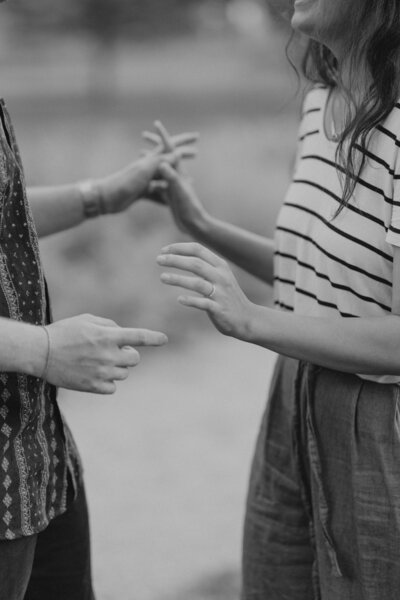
{"x": 176, "y": 189}
{"x": 186, "y": 208}
{"x": 138, "y": 180}
{"x": 90, "y": 354}
{"x": 220, "y": 295}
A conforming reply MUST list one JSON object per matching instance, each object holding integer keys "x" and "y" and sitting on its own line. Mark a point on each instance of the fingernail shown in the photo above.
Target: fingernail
{"x": 165, "y": 249}
{"x": 161, "y": 259}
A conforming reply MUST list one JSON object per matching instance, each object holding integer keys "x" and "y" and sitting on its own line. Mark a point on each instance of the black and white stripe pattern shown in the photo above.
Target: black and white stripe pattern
{"x": 339, "y": 265}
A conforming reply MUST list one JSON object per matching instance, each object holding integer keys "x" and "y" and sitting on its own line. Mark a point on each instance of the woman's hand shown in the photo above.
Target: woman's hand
{"x": 186, "y": 208}
{"x": 220, "y": 295}
{"x": 138, "y": 180}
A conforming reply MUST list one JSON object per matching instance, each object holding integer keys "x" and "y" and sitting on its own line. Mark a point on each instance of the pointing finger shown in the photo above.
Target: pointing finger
{"x": 140, "y": 337}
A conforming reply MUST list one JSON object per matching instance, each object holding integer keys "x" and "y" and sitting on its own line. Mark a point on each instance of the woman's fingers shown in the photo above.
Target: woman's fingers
{"x": 165, "y": 136}
{"x": 182, "y": 139}
{"x": 184, "y": 152}
{"x": 200, "y": 303}
{"x": 157, "y": 185}
{"x": 194, "y": 284}
{"x": 151, "y": 137}
{"x": 193, "y": 264}
{"x": 193, "y": 249}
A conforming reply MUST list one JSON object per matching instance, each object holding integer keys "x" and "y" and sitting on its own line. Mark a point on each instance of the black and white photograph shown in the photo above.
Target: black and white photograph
{"x": 199, "y": 300}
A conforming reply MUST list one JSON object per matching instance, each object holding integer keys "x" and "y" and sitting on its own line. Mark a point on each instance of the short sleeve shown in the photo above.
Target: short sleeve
{"x": 310, "y": 109}
{"x": 393, "y": 233}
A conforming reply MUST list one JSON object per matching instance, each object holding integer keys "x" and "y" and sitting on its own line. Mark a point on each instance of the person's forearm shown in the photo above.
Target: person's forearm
{"x": 56, "y": 208}
{"x": 23, "y": 347}
{"x": 253, "y": 253}
{"x": 364, "y": 345}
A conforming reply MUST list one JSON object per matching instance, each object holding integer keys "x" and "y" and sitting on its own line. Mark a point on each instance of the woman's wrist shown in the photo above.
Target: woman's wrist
{"x": 201, "y": 226}
{"x": 258, "y": 326}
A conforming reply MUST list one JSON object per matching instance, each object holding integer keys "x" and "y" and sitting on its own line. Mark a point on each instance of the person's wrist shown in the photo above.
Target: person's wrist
{"x": 35, "y": 357}
{"x": 200, "y": 224}
{"x": 247, "y": 325}
{"x": 256, "y": 324}
{"x": 92, "y": 198}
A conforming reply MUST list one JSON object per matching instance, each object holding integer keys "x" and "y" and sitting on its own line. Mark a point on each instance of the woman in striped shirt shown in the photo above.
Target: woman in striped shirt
{"x": 323, "y": 512}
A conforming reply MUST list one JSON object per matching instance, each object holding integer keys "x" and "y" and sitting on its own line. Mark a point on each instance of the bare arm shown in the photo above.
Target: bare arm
{"x": 368, "y": 346}
{"x": 251, "y": 252}
{"x": 363, "y": 345}
{"x": 61, "y": 207}
{"x": 83, "y": 353}
{"x": 56, "y": 208}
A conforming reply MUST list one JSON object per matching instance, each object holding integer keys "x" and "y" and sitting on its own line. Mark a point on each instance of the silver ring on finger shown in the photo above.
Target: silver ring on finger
{"x": 212, "y": 292}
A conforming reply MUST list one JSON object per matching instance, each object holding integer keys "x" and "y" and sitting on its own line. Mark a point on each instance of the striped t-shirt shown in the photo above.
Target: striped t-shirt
{"x": 342, "y": 266}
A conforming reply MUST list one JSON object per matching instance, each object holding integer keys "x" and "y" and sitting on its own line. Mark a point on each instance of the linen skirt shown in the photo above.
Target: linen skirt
{"x": 323, "y": 510}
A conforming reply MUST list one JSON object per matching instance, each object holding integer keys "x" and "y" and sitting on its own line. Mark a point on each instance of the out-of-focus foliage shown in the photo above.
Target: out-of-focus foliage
{"x": 112, "y": 19}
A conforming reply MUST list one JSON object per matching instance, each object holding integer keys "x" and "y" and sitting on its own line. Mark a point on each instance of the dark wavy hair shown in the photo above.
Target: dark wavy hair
{"x": 375, "y": 45}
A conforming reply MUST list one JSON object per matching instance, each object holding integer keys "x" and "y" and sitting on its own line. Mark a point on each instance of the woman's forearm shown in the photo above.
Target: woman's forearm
{"x": 249, "y": 251}
{"x": 364, "y": 345}
{"x": 56, "y": 208}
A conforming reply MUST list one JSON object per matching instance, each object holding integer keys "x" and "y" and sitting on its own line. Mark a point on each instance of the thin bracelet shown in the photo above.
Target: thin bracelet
{"x": 92, "y": 199}
{"x": 46, "y": 364}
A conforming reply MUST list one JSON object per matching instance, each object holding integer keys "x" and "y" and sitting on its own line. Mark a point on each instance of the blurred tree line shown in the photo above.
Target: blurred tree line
{"x": 108, "y": 21}
{"x": 111, "y": 20}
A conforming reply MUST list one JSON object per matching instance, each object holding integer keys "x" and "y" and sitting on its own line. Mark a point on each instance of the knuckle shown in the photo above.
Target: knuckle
{"x": 197, "y": 265}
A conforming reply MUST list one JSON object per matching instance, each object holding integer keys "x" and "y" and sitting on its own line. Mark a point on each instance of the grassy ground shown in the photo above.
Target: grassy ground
{"x": 167, "y": 462}
{"x": 167, "y": 458}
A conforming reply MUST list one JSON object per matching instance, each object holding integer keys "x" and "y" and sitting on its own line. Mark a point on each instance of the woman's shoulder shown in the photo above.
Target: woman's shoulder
{"x": 391, "y": 123}
{"x": 314, "y": 99}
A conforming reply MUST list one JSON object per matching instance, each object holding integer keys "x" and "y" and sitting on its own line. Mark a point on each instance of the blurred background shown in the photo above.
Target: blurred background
{"x": 167, "y": 458}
